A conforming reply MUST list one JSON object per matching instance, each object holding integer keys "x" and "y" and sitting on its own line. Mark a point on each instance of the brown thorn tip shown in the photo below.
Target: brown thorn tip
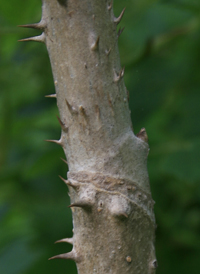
{"x": 51, "y": 96}
{"x": 40, "y": 38}
{"x": 118, "y": 19}
{"x": 65, "y": 240}
{"x": 64, "y": 161}
{"x": 95, "y": 45}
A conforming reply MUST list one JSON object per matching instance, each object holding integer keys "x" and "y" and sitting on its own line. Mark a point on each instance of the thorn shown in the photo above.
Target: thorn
{"x": 68, "y": 104}
{"x": 118, "y": 19}
{"x": 107, "y": 52}
{"x": 121, "y": 215}
{"x": 68, "y": 256}
{"x": 82, "y": 110}
{"x": 58, "y": 142}
{"x": 65, "y": 240}
{"x": 64, "y": 161}
{"x": 39, "y": 38}
{"x": 83, "y": 204}
{"x": 124, "y": 214}
{"x": 119, "y": 76}
{"x": 142, "y": 134}
{"x": 75, "y": 205}
{"x": 68, "y": 183}
{"x": 41, "y": 25}
{"x": 122, "y": 72}
{"x": 110, "y": 5}
{"x": 95, "y": 45}
{"x": 63, "y": 126}
{"x": 116, "y": 77}
{"x": 51, "y": 96}
{"x": 70, "y": 107}
{"x": 154, "y": 264}
{"x": 120, "y": 32}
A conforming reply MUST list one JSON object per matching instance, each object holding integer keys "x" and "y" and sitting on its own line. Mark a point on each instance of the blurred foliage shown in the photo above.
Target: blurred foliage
{"x": 160, "y": 50}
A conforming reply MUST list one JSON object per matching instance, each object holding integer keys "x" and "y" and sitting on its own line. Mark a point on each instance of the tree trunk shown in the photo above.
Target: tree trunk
{"x": 108, "y": 182}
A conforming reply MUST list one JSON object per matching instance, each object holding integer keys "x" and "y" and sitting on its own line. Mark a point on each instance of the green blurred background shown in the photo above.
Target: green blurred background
{"x": 160, "y": 48}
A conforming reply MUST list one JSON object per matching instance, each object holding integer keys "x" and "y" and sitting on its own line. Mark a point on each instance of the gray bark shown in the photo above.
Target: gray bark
{"x": 108, "y": 182}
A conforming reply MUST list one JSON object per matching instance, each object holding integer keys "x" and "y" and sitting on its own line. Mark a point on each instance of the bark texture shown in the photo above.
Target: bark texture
{"x": 108, "y": 182}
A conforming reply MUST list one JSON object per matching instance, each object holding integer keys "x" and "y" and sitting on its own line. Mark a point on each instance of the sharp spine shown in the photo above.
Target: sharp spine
{"x": 83, "y": 204}
{"x": 40, "y": 38}
{"x": 119, "y": 76}
{"x": 82, "y": 110}
{"x": 107, "y": 52}
{"x": 110, "y": 5}
{"x": 41, "y": 25}
{"x": 122, "y": 72}
{"x": 63, "y": 126}
{"x": 67, "y": 182}
{"x": 70, "y": 107}
{"x": 120, "y": 32}
{"x": 67, "y": 256}
{"x": 121, "y": 215}
{"x": 58, "y": 142}
{"x": 118, "y": 19}
{"x": 65, "y": 240}
{"x": 95, "y": 45}
{"x": 142, "y": 134}
{"x": 124, "y": 215}
{"x": 116, "y": 77}
{"x": 51, "y": 96}
{"x": 64, "y": 161}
